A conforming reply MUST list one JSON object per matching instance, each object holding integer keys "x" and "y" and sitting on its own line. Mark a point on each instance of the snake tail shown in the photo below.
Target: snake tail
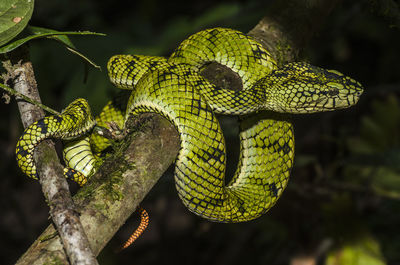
{"x": 74, "y": 121}
{"x": 144, "y": 222}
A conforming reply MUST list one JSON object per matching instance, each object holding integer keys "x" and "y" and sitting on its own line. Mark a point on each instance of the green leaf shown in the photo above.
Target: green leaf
{"x": 14, "y": 16}
{"x": 61, "y": 36}
{"x": 54, "y": 34}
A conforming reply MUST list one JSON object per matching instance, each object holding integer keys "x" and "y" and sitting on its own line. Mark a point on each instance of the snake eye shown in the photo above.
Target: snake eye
{"x": 334, "y": 88}
{"x": 333, "y": 92}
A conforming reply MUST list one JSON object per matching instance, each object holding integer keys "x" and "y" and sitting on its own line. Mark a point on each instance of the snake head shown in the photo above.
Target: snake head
{"x": 76, "y": 119}
{"x": 304, "y": 88}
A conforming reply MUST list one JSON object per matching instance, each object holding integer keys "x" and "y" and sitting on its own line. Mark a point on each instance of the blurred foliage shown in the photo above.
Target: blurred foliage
{"x": 365, "y": 250}
{"x": 352, "y": 241}
{"x": 376, "y": 150}
{"x": 342, "y": 202}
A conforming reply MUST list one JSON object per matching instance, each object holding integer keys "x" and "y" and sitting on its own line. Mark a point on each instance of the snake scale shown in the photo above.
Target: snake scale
{"x": 174, "y": 88}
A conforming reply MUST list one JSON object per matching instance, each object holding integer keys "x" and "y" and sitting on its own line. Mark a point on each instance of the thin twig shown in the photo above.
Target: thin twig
{"x": 27, "y": 99}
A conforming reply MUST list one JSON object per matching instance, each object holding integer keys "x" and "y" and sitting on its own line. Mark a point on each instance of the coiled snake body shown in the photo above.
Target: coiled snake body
{"x": 174, "y": 88}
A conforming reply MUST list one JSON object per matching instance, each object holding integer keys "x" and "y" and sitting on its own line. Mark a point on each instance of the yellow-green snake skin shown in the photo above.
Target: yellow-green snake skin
{"x": 174, "y": 88}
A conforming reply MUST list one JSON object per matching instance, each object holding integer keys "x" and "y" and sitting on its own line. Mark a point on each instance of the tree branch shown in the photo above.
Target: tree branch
{"x": 106, "y": 202}
{"x": 54, "y": 185}
{"x": 116, "y": 190}
{"x": 290, "y": 25}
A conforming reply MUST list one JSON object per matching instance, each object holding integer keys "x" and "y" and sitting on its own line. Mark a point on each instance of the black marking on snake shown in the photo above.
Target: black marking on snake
{"x": 195, "y": 53}
{"x": 185, "y": 72}
{"x": 132, "y": 63}
{"x": 113, "y": 63}
{"x": 21, "y": 151}
{"x": 172, "y": 67}
{"x": 208, "y": 187}
{"x": 83, "y": 157}
{"x": 333, "y": 103}
{"x": 70, "y": 174}
{"x": 198, "y": 83}
{"x": 349, "y": 82}
{"x": 240, "y": 205}
{"x": 217, "y": 202}
{"x": 83, "y": 110}
{"x": 195, "y": 106}
{"x": 215, "y": 154}
{"x": 58, "y": 119}
{"x": 285, "y": 148}
{"x": 213, "y": 39}
{"x": 209, "y": 200}
{"x": 213, "y": 34}
{"x": 42, "y": 125}
{"x": 279, "y": 74}
{"x": 76, "y": 146}
{"x": 258, "y": 53}
{"x": 73, "y": 117}
{"x": 165, "y": 75}
{"x": 277, "y": 147}
{"x": 273, "y": 189}
{"x": 88, "y": 162}
{"x": 153, "y": 64}
{"x": 263, "y": 146}
{"x": 130, "y": 67}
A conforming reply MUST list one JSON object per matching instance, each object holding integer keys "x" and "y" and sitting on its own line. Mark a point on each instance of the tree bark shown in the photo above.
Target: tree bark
{"x": 54, "y": 185}
{"x": 124, "y": 180}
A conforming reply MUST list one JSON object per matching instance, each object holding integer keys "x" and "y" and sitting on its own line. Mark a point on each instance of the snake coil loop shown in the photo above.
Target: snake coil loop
{"x": 174, "y": 88}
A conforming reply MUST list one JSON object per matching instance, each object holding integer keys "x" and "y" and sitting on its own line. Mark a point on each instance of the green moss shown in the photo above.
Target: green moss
{"x": 47, "y": 237}
{"x": 111, "y": 187}
{"x": 54, "y": 260}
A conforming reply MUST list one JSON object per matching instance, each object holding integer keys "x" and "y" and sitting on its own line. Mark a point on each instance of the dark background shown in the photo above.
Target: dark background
{"x": 345, "y": 188}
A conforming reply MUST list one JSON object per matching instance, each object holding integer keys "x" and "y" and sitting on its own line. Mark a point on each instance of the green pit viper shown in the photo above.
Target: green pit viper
{"x": 174, "y": 88}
